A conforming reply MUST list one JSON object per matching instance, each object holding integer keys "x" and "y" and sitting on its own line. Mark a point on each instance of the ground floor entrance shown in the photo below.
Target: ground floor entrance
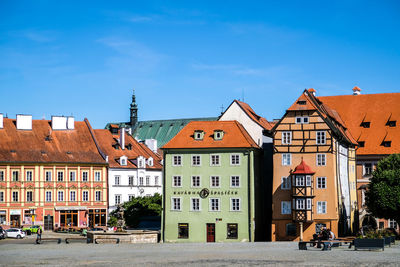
{"x": 15, "y": 221}
{"x": 210, "y": 232}
{"x": 48, "y": 222}
{"x": 97, "y": 217}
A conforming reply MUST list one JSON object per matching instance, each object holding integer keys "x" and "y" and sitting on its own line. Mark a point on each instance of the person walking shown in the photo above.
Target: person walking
{"x": 39, "y": 235}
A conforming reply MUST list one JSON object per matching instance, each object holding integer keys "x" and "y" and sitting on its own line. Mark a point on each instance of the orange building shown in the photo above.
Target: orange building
{"x": 314, "y": 181}
{"x": 51, "y": 174}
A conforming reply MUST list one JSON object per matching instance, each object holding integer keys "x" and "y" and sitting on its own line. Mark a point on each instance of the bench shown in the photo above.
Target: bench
{"x": 67, "y": 240}
{"x": 58, "y": 240}
{"x": 326, "y": 244}
{"x": 116, "y": 240}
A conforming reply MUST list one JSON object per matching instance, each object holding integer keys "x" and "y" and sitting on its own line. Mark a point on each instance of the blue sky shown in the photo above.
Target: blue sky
{"x": 187, "y": 58}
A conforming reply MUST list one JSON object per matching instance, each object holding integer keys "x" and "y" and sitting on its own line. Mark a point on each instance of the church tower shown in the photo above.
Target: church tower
{"x": 134, "y": 111}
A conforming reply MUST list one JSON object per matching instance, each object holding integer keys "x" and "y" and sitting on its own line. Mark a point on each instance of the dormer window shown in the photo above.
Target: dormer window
{"x": 391, "y": 123}
{"x": 361, "y": 143}
{"x": 150, "y": 161}
{"x": 365, "y": 124}
{"x": 140, "y": 162}
{"x": 386, "y": 143}
{"x": 198, "y": 135}
{"x": 129, "y": 147}
{"x": 302, "y": 102}
{"x": 123, "y": 161}
{"x": 218, "y": 134}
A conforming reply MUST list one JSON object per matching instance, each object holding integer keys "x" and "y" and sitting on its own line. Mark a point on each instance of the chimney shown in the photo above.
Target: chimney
{"x": 356, "y": 90}
{"x": 312, "y": 91}
{"x": 24, "y": 122}
{"x": 122, "y": 138}
{"x": 1, "y": 121}
{"x": 152, "y": 144}
{"x": 70, "y": 123}
{"x": 58, "y": 122}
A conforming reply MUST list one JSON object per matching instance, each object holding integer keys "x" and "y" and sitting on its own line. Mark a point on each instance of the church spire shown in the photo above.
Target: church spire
{"x": 134, "y": 111}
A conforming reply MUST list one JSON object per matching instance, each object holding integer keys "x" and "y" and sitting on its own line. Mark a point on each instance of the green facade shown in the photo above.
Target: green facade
{"x": 197, "y": 221}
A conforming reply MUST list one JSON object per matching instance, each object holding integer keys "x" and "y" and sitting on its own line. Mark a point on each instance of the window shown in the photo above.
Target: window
{"x": 123, "y": 161}
{"x": 291, "y": 229}
{"x": 321, "y": 138}
{"x": 72, "y": 176}
{"x": 195, "y": 204}
{"x": 214, "y": 181}
{"x": 15, "y": 175}
{"x": 198, "y": 135}
{"x": 391, "y": 123}
{"x": 183, "y": 230}
{"x": 97, "y": 176}
{"x": 214, "y": 160}
{"x": 85, "y": 196}
{"x": 177, "y": 160}
{"x": 130, "y": 180}
{"x": 177, "y": 181}
{"x": 300, "y": 204}
{"x": 235, "y": 159}
{"x": 72, "y": 196}
{"x": 156, "y": 180}
{"x": 141, "y": 180}
{"x": 176, "y": 203}
{"x": 299, "y": 180}
{"x": 195, "y": 181}
{"x": 392, "y": 224}
{"x": 15, "y": 196}
{"x": 321, "y": 207}
{"x": 286, "y": 159}
{"x": 29, "y": 175}
{"x": 140, "y": 162}
{"x": 29, "y": 196}
{"x": 235, "y": 204}
{"x": 232, "y": 231}
{"x": 196, "y": 160}
{"x": 131, "y": 197}
{"x": 1, "y": 175}
{"x": 214, "y": 204}
{"x": 285, "y": 183}
{"x": 361, "y": 143}
{"x": 117, "y": 199}
{"x": 48, "y": 176}
{"x": 218, "y": 134}
{"x": 147, "y": 180}
{"x": 235, "y": 181}
{"x": 150, "y": 161}
{"x": 367, "y": 169}
{"x": 60, "y": 196}
{"x": 85, "y": 176}
{"x": 286, "y": 138}
{"x": 321, "y": 182}
{"x": 321, "y": 159}
{"x": 117, "y": 179}
{"x": 48, "y": 196}
{"x": 98, "y": 195}
{"x": 60, "y": 176}
{"x": 308, "y": 180}
{"x": 365, "y": 124}
{"x": 286, "y": 207}
{"x": 309, "y": 203}
{"x": 386, "y": 143}
{"x": 1, "y": 196}
{"x": 300, "y": 120}
{"x": 381, "y": 225}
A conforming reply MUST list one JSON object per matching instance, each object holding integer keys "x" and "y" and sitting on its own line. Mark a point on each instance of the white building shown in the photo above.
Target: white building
{"x": 134, "y": 169}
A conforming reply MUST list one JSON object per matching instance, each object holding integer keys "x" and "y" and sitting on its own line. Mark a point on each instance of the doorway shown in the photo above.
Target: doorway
{"x": 210, "y": 232}
{"x": 15, "y": 220}
{"x": 48, "y": 222}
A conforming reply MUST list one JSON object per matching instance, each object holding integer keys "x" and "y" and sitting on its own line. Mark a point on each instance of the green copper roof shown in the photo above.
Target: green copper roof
{"x": 163, "y": 130}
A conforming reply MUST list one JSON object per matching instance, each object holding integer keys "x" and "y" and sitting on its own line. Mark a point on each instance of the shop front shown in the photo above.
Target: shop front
{"x": 71, "y": 217}
{"x": 15, "y": 218}
{"x": 97, "y": 217}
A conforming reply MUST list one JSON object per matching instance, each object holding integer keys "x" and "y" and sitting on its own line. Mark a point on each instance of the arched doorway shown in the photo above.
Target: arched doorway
{"x": 369, "y": 223}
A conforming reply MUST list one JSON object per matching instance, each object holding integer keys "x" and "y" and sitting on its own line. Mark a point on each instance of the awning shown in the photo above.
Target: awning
{"x": 71, "y": 208}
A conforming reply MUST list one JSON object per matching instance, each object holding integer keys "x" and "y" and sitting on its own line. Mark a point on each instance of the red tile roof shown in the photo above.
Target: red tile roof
{"x": 303, "y": 168}
{"x": 106, "y": 140}
{"x": 377, "y": 109}
{"x": 256, "y": 118}
{"x": 61, "y": 146}
{"x": 235, "y": 136}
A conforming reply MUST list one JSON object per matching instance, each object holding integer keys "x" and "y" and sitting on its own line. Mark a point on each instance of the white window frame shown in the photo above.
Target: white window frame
{"x": 321, "y": 159}
{"x": 48, "y": 196}
{"x": 300, "y": 180}
{"x": 321, "y": 207}
{"x": 2, "y": 176}
{"x": 366, "y": 168}
{"x": 123, "y": 161}
{"x": 286, "y": 138}
{"x": 15, "y": 196}
{"x": 97, "y": 195}
{"x": 178, "y": 202}
{"x": 308, "y": 180}
{"x": 72, "y": 176}
{"x": 177, "y": 181}
{"x": 141, "y": 180}
{"x": 239, "y": 208}
{"x": 286, "y": 183}
{"x": 302, "y": 120}
{"x": 235, "y": 159}
{"x": 211, "y": 181}
{"x": 117, "y": 179}
{"x": 119, "y": 197}
{"x": 192, "y": 204}
{"x": 58, "y": 176}
{"x": 60, "y": 196}
{"x": 217, "y": 158}
{"x": 197, "y": 162}
{"x": 300, "y": 204}
{"x": 85, "y": 176}
{"x": 131, "y": 180}
{"x": 218, "y": 201}
{"x": 321, "y": 182}
{"x": 177, "y": 160}
{"x": 85, "y": 199}
{"x": 72, "y": 196}
{"x": 131, "y": 197}
{"x": 320, "y": 138}
{"x": 147, "y": 179}
{"x": 29, "y": 178}
{"x": 47, "y": 176}
{"x": 97, "y": 176}
{"x": 309, "y": 204}
{"x": 31, "y": 197}
{"x": 232, "y": 180}
{"x": 156, "y": 179}
{"x": 2, "y": 196}
{"x": 286, "y": 209}
{"x": 192, "y": 181}
{"x": 286, "y": 159}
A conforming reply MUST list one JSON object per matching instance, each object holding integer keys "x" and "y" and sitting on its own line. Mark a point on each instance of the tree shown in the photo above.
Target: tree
{"x": 383, "y": 194}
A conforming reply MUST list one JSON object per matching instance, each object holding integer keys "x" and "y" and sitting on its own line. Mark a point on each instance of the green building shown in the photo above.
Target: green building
{"x": 211, "y": 171}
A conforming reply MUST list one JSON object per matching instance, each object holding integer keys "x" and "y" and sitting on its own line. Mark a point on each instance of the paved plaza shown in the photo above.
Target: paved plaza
{"x": 26, "y": 253}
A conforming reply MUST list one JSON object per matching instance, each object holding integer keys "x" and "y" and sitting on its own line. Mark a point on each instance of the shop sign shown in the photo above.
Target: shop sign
{"x": 3, "y": 212}
{"x": 15, "y": 212}
{"x": 206, "y": 192}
